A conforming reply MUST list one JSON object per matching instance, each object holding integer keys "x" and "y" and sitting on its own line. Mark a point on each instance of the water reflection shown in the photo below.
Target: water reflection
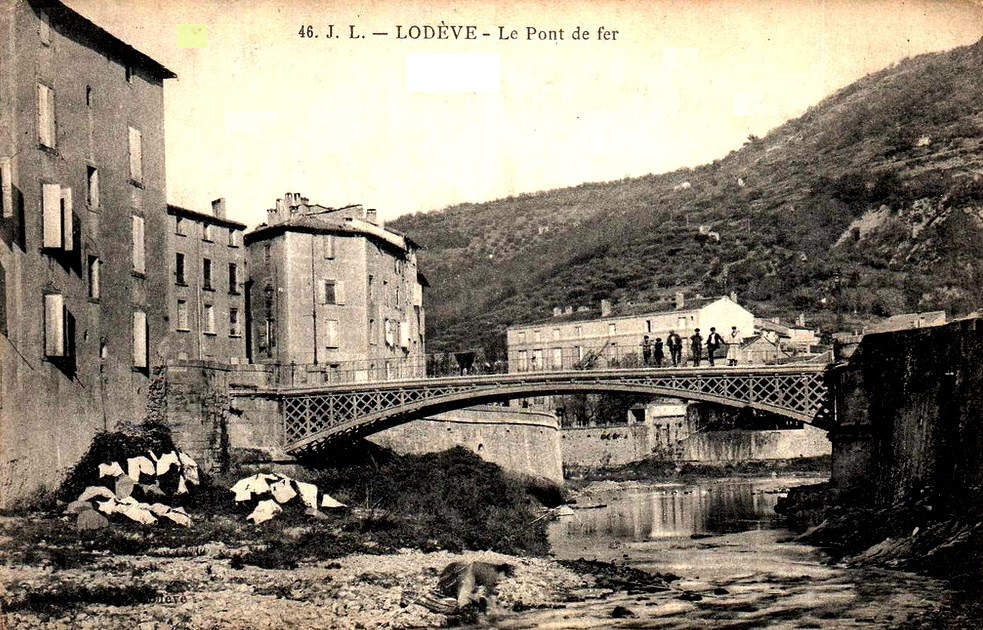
{"x": 666, "y": 512}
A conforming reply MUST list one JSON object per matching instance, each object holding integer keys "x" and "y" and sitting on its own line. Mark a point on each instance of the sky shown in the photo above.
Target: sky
{"x": 258, "y": 110}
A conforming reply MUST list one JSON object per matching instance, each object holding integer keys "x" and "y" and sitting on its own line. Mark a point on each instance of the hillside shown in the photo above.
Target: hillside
{"x": 869, "y": 204}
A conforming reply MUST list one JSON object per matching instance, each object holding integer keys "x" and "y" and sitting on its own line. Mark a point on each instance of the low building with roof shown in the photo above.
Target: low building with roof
{"x": 906, "y": 321}
{"x": 335, "y": 291}
{"x": 614, "y": 334}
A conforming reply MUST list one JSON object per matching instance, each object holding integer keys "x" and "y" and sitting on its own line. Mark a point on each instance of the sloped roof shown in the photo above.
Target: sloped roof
{"x": 61, "y": 14}
{"x": 905, "y": 321}
{"x": 317, "y": 225}
{"x": 203, "y": 217}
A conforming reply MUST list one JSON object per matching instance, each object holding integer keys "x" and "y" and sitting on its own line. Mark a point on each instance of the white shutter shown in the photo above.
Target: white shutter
{"x": 417, "y": 295}
{"x": 388, "y": 332}
{"x": 46, "y": 116}
{"x": 51, "y": 209}
{"x": 136, "y": 155}
{"x": 404, "y": 334}
{"x": 6, "y": 188}
{"x": 139, "y": 339}
{"x": 138, "y": 245}
{"x": 331, "y": 333}
{"x": 68, "y": 220}
{"x": 339, "y": 292}
{"x": 54, "y": 325}
{"x": 329, "y": 246}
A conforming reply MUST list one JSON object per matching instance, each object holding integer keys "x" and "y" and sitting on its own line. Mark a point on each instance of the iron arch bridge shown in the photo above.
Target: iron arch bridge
{"x": 313, "y": 417}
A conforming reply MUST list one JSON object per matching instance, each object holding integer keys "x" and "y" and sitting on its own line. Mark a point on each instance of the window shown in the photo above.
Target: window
{"x": 206, "y": 274}
{"x": 537, "y": 336}
{"x": 209, "y": 328}
{"x": 612, "y": 329}
{"x": 270, "y": 333}
{"x": 92, "y": 177}
{"x": 330, "y": 294}
{"x": 206, "y": 232}
{"x": 233, "y": 279}
{"x": 94, "y": 288}
{"x": 88, "y": 96}
{"x": 136, "y": 155}
{"x": 681, "y": 321}
{"x": 396, "y": 294}
{"x": 397, "y": 266}
{"x": 331, "y": 333}
{"x": 557, "y": 358}
{"x": 6, "y": 187}
{"x": 234, "y": 328}
{"x": 556, "y": 334}
{"x": 523, "y": 360}
{"x": 372, "y": 334}
{"x": 179, "y": 268}
{"x": 46, "y": 116}
{"x": 180, "y": 226}
{"x": 58, "y": 221}
{"x": 182, "y": 315}
{"x": 128, "y": 73}
{"x": 139, "y": 252}
{"x": 54, "y": 325}
{"x": 328, "y": 245}
{"x": 648, "y": 325}
{"x": 267, "y": 252}
{"x": 233, "y": 238}
{"x": 140, "y": 340}
{"x": 579, "y": 330}
{"x": 44, "y": 28}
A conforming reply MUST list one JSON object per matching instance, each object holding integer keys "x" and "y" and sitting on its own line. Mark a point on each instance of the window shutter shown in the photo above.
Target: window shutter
{"x": 339, "y": 292}
{"x": 54, "y": 325}
{"x": 331, "y": 333}
{"x": 51, "y": 209}
{"x": 329, "y": 246}
{"x": 68, "y": 219}
{"x": 6, "y": 188}
{"x": 136, "y": 155}
{"x": 138, "y": 246}
{"x": 404, "y": 334}
{"x": 46, "y": 116}
{"x": 139, "y": 339}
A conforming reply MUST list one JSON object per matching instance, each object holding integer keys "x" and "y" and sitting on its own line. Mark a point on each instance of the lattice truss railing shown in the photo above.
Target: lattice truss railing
{"x": 802, "y": 396}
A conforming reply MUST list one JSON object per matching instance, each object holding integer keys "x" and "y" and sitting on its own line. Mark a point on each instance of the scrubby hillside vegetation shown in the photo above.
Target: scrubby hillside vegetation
{"x": 869, "y": 204}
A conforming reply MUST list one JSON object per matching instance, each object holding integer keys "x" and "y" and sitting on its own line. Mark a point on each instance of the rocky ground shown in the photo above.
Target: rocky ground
{"x": 206, "y": 587}
{"x": 47, "y": 583}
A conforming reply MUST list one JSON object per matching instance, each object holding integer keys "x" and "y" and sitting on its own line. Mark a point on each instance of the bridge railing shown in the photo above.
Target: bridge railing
{"x": 451, "y": 364}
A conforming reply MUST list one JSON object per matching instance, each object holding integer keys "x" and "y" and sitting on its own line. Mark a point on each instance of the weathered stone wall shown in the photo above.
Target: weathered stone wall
{"x": 910, "y": 411}
{"x": 520, "y": 440}
{"x": 616, "y": 445}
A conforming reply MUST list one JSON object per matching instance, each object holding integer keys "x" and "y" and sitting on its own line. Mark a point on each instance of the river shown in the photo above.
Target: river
{"x": 737, "y": 568}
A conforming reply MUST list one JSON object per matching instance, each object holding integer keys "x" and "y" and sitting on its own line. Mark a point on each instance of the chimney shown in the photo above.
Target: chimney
{"x": 567, "y": 310}
{"x": 279, "y": 206}
{"x": 733, "y": 297}
{"x": 218, "y": 207}
{"x": 305, "y": 201}
{"x": 370, "y": 215}
{"x": 605, "y": 308}
{"x": 557, "y": 311}
{"x": 680, "y": 300}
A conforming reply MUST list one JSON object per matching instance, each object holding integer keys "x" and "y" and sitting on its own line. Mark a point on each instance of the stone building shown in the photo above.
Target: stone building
{"x": 614, "y": 335}
{"x": 206, "y": 292}
{"x": 335, "y": 292}
{"x": 82, "y": 276}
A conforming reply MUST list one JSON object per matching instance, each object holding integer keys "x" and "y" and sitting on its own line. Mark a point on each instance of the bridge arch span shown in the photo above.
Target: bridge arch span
{"x": 316, "y": 417}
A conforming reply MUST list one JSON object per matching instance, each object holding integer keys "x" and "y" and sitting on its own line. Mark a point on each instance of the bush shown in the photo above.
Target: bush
{"x": 453, "y": 500}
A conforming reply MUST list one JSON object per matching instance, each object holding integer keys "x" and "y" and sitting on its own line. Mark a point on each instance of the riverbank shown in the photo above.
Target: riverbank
{"x": 652, "y": 470}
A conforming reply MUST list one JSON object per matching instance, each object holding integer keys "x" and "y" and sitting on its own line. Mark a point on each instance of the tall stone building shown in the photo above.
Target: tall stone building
{"x": 206, "y": 292}
{"x": 82, "y": 274}
{"x": 335, "y": 292}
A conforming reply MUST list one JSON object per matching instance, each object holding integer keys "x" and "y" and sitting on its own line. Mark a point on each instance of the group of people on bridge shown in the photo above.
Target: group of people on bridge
{"x": 653, "y": 353}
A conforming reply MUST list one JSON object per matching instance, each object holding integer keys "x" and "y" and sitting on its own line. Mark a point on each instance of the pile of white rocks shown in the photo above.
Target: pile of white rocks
{"x": 269, "y": 492}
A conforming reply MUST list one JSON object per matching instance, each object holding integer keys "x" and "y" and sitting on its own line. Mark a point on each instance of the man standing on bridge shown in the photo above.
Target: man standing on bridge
{"x": 646, "y": 351}
{"x": 675, "y": 343}
{"x": 714, "y": 341}
{"x": 696, "y": 347}
{"x": 657, "y": 352}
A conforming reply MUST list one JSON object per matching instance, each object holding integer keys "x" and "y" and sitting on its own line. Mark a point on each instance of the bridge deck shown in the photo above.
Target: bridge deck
{"x": 316, "y": 415}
